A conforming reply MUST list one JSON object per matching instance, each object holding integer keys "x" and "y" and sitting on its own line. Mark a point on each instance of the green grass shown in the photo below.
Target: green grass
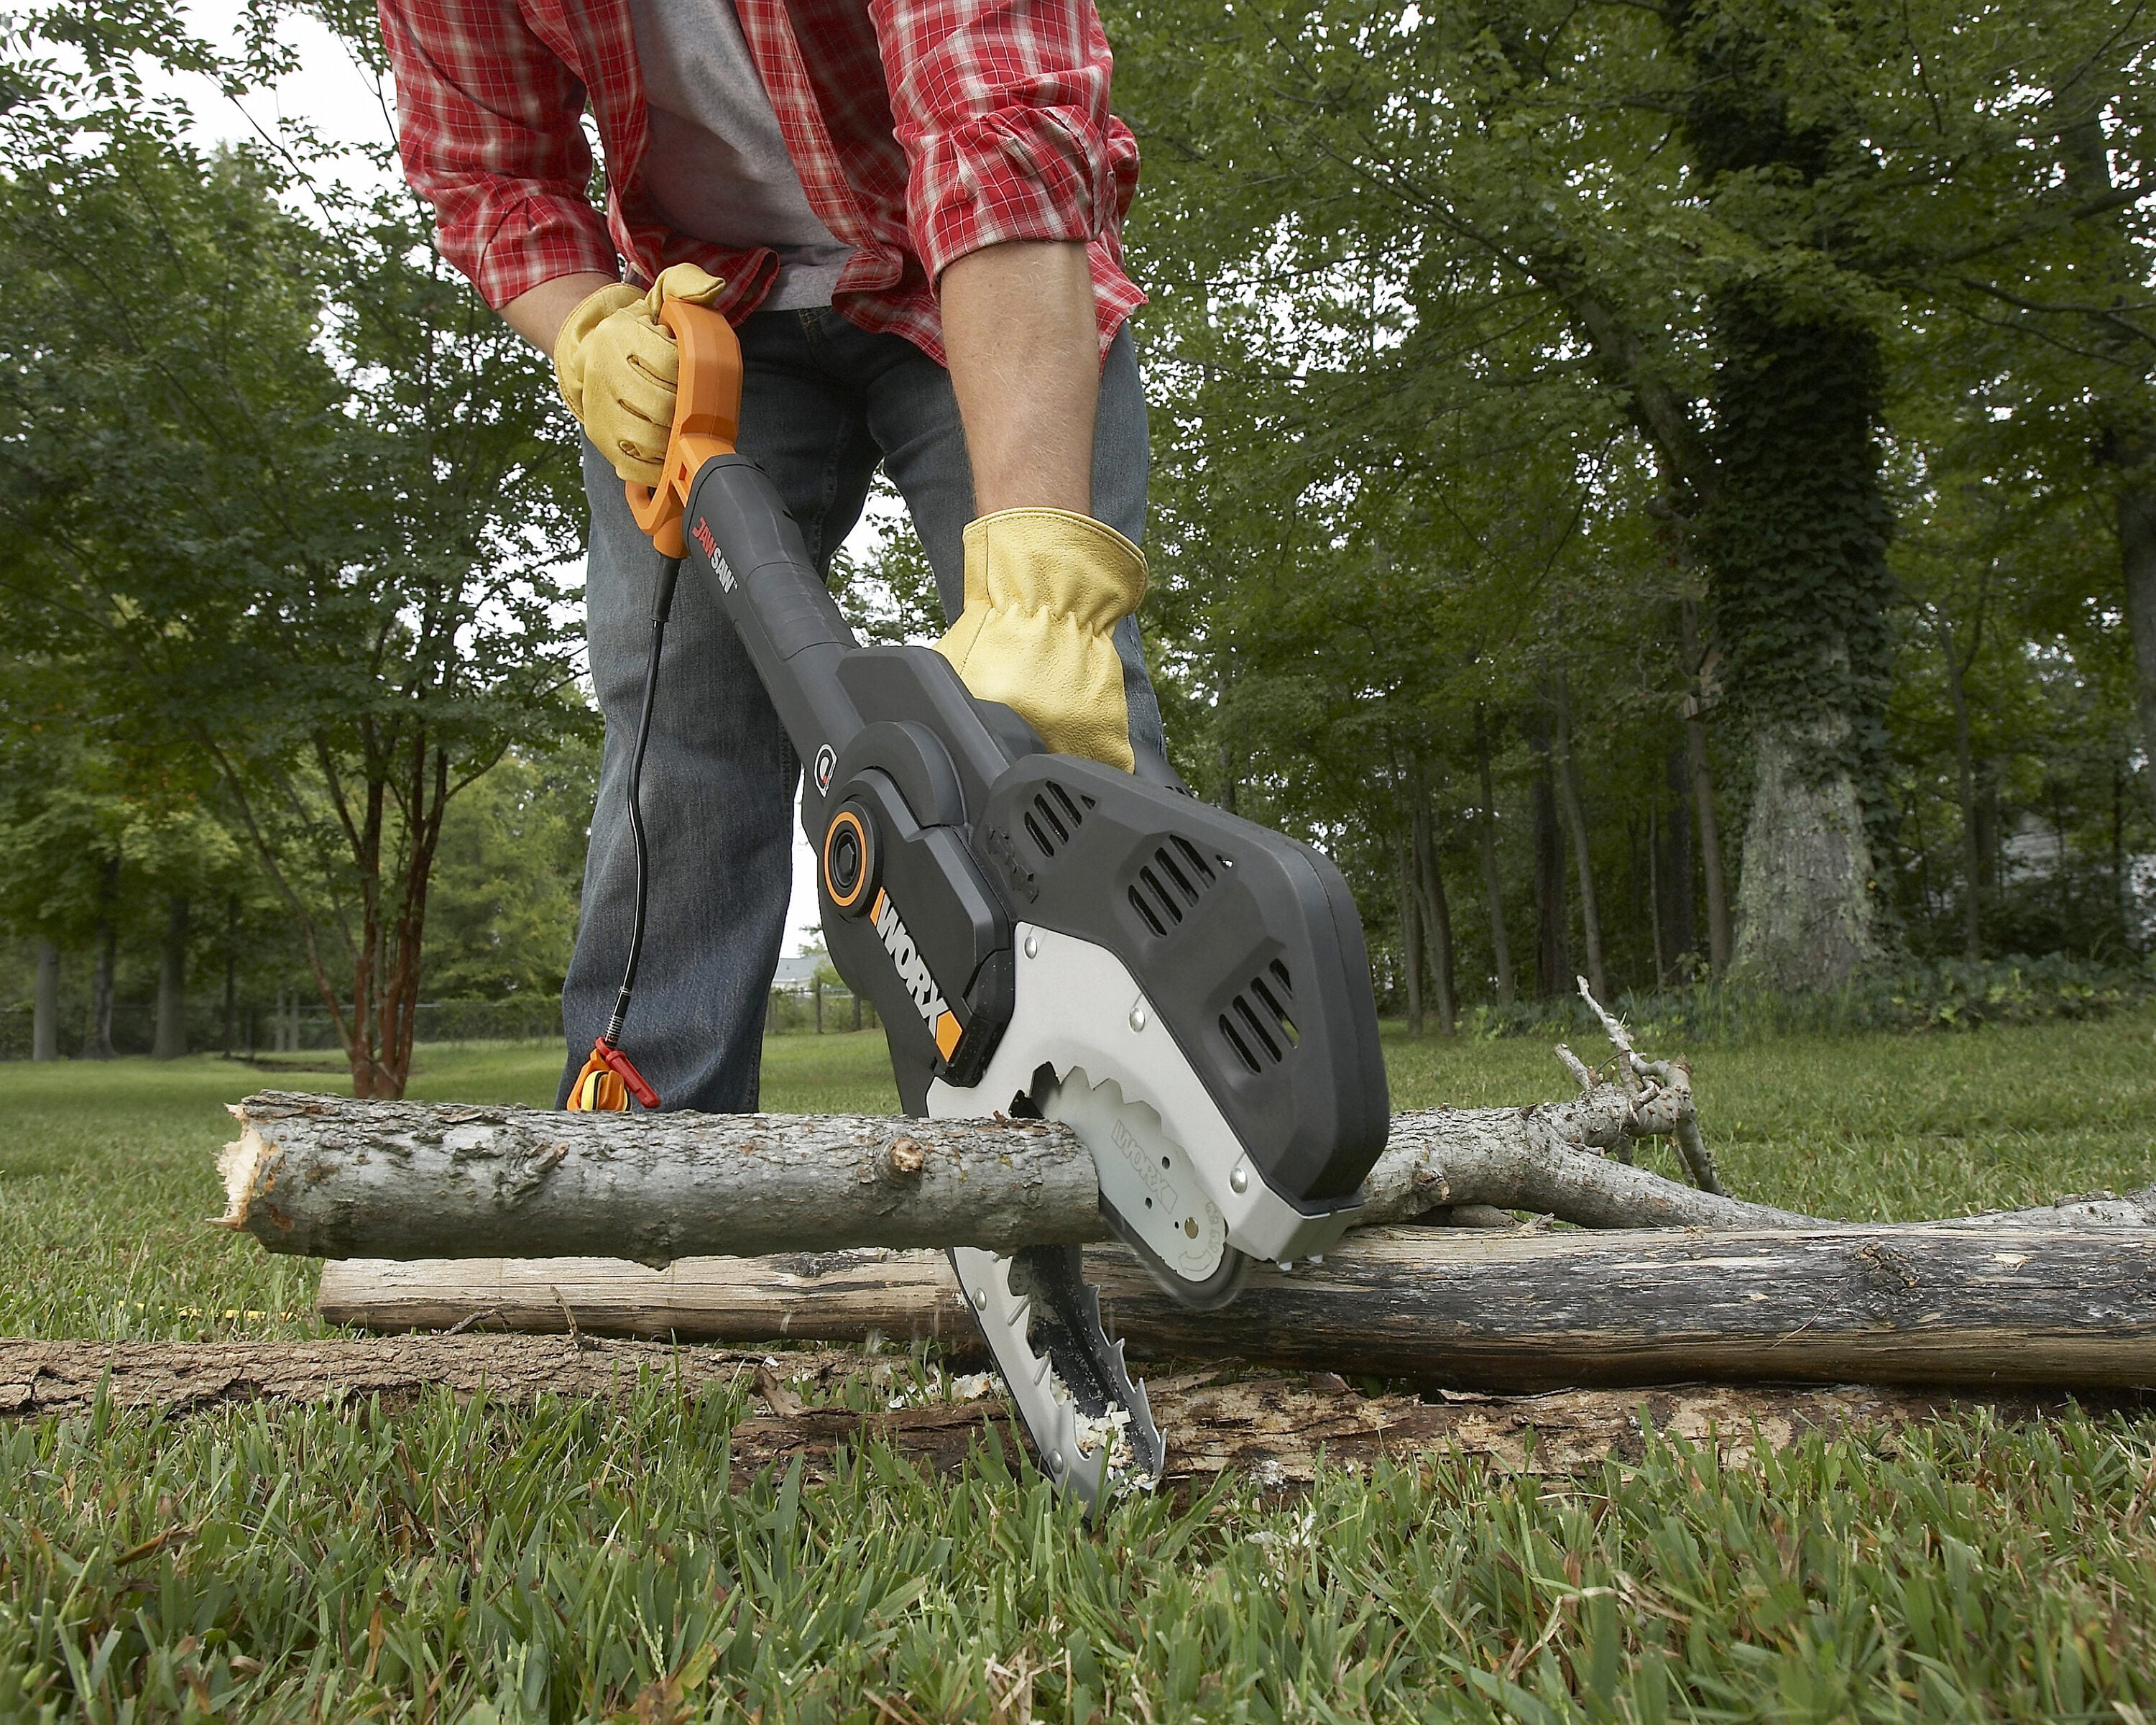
{"x": 471, "y": 1562}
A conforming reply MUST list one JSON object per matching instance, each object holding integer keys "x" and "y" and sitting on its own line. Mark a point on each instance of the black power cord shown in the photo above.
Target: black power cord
{"x": 662, "y": 605}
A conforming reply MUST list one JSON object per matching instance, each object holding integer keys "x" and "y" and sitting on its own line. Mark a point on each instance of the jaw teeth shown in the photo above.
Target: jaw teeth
{"x": 1073, "y": 1445}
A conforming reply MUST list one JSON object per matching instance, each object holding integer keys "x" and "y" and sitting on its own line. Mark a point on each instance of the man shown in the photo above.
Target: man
{"x": 911, "y": 211}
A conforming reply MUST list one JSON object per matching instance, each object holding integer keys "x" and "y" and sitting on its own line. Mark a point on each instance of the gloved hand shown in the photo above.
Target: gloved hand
{"x": 1044, "y": 588}
{"x": 616, "y": 364}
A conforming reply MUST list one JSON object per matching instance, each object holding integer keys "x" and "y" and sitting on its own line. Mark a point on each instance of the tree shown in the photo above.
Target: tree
{"x": 293, "y": 500}
{"x": 1705, "y": 230}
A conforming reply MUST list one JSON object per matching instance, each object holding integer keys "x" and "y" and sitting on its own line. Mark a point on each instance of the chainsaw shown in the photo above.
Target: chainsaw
{"x": 1043, "y": 937}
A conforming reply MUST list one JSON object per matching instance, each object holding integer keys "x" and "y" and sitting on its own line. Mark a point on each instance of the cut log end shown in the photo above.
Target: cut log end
{"x": 246, "y": 1166}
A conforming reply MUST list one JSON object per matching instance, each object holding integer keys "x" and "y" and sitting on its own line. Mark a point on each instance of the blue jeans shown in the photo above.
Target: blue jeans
{"x": 823, "y": 402}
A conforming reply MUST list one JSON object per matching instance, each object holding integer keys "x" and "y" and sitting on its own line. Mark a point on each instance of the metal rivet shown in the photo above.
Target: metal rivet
{"x": 1033, "y": 945}
{"x": 1056, "y": 1461}
{"x": 1138, "y": 1016}
{"x": 1239, "y": 1179}
{"x": 980, "y": 1299}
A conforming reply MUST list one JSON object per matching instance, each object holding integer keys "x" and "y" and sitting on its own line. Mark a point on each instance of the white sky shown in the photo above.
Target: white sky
{"x": 336, "y": 97}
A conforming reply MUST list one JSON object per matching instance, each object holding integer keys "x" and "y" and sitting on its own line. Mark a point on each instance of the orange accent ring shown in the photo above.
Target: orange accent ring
{"x": 846, "y": 901}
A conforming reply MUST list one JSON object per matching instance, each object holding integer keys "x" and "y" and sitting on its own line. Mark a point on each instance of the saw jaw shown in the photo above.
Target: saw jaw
{"x": 1091, "y": 1424}
{"x": 1084, "y": 1047}
{"x": 1076, "y": 1006}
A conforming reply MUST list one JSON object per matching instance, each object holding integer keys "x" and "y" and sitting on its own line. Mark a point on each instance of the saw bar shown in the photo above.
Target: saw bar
{"x": 1092, "y": 1425}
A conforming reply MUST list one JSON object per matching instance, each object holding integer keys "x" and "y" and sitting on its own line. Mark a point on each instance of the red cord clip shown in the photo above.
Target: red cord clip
{"x": 586, "y": 1096}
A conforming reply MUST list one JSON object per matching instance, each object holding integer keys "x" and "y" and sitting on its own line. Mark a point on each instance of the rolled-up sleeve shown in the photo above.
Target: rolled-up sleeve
{"x": 1002, "y": 109}
{"x": 489, "y": 129}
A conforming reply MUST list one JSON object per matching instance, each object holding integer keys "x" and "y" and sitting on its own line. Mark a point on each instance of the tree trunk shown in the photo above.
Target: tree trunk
{"x": 2137, "y": 548}
{"x": 172, "y": 1036}
{"x": 1575, "y": 821}
{"x": 1654, "y": 889}
{"x": 1679, "y": 883}
{"x": 1436, "y": 913}
{"x": 1718, "y": 943}
{"x": 45, "y": 1007}
{"x": 231, "y": 967}
{"x": 1972, "y": 837}
{"x": 1493, "y": 883}
{"x": 1804, "y": 921}
{"x": 1552, "y": 961}
{"x": 2117, "y": 276}
{"x": 1795, "y": 538}
{"x": 98, "y": 1044}
{"x": 1411, "y": 952}
{"x": 1914, "y": 1305}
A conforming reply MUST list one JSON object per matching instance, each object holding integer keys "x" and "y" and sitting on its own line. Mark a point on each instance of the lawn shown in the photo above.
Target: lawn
{"x": 471, "y": 1562}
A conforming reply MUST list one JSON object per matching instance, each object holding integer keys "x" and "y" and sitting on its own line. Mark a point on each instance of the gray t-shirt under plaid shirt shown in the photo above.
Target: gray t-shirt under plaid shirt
{"x": 717, "y": 166}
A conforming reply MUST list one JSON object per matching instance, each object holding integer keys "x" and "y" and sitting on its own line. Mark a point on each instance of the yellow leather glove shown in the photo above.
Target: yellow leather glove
{"x": 616, "y": 364}
{"x": 1044, "y": 588}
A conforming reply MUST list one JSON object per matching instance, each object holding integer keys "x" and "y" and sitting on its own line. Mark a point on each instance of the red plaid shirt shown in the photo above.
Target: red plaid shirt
{"x": 923, "y": 129}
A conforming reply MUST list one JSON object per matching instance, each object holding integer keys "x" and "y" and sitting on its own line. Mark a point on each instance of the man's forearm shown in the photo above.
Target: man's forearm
{"x": 1025, "y": 363}
{"x": 539, "y": 314}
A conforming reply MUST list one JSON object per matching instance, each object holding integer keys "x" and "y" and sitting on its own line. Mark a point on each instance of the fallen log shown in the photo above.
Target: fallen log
{"x": 333, "y": 1177}
{"x": 330, "y": 1177}
{"x": 1272, "y": 1429}
{"x": 1514, "y": 1309}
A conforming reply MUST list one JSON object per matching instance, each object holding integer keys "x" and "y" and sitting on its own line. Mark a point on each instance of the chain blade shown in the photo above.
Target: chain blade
{"x": 1091, "y": 1425}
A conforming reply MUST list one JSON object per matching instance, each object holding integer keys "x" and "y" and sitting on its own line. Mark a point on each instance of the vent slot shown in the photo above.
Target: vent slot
{"x": 1147, "y": 914}
{"x": 1258, "y": 1024}
{"x": 1195, "y": 863}
{"x": 1182, "y": 881}
{"x": 1272, "y": 1005}
{"x": 1255, "y": 1026}
{"x": 1053, "y": 818}
{"x": 1166, "y": 899}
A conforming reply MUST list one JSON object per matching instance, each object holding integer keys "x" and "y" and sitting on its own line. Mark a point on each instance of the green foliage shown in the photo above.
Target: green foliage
{"x": 1487, "y": 340}
{"x": 286, "y": 501}
{"x": 502, "y": 908}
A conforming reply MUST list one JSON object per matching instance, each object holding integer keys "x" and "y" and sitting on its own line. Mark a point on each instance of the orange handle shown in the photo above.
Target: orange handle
{"x": 706, "y": 418}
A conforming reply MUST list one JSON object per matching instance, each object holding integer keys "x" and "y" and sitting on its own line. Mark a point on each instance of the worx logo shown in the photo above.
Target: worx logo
{"x": 913, "y": 972}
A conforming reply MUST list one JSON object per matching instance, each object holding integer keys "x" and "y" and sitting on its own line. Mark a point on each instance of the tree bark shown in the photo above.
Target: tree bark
{"x": 1552, "y": 962}
{"x": 1436, "y": 912}
{"x": 1493, "y": 884}
{"x": 2137, "y": 548}
{"x": 1972, "y": 834}
{"x": 1806, "y": 923}
{"x": 335, "y": 1176}
{"x": 45, "y": 1005}
{"x": 1718, "y": 942}
{"x": 1679, "y": 883}
{"x": 98, "y": 1044}
{"x": 1411, "y": 952}
{"x": 1274, "y": 1429}
{"x": 1510, "y": 1310}
{"x": 1575, "y": 821}
{"x": 231, "y": 967}
{"x": 172, "y": 1035}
